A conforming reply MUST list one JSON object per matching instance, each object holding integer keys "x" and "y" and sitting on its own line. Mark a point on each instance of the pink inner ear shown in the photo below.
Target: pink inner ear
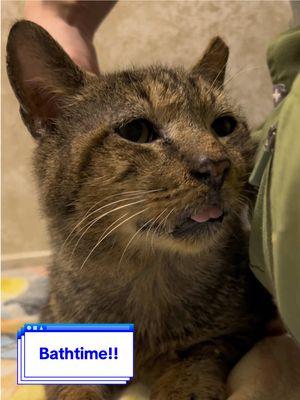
{"x": 42, "y": 74}
{"x": 42, "y": 98}
{"x": 40, "y": 94}
{"x": 38, "y": 83}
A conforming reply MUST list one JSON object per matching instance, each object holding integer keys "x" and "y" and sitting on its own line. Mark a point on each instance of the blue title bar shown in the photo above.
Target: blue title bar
{"x": 70, "y": 327}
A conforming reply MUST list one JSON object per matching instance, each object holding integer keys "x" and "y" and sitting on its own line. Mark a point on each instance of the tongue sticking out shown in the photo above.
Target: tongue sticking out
{"x": 209, "y": 213}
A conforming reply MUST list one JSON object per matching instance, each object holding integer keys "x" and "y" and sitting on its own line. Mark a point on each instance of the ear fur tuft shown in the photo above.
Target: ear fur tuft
{"x": 212, "y": 66}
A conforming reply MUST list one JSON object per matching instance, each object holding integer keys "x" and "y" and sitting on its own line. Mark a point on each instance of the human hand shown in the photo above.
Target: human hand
{"x": 72, "y": 24}
{"x": 269, "y": 371}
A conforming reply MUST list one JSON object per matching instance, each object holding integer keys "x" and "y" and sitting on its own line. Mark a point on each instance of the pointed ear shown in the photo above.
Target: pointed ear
{"x": 41, "y": 74}
{"x": 212, "y": 65}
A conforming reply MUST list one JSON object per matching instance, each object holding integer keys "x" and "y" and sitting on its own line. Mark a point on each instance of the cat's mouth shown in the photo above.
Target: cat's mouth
{"x": 208, "y": 221}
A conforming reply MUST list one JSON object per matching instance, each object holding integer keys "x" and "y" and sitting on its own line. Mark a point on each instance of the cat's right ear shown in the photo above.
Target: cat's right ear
{"x": 42, "y": 75}
{"x": 212, "y": 65}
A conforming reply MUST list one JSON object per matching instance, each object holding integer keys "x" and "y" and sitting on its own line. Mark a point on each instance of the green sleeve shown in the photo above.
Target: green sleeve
{"x": 285, "y": 212}
{"x": 275, "y": 227}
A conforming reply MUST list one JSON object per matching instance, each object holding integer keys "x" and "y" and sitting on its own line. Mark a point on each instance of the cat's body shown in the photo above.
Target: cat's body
{"x": 175, "y": 303}
{"x": 142, "y": 176}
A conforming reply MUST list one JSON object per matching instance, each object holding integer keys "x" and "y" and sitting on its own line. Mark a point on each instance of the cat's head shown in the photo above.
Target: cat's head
{"x": 145, "y": 155}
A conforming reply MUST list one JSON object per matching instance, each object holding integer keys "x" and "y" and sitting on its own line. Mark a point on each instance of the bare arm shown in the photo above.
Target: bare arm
{"x": 269, "y": 371}
{"x": 295, "y": 6}
{"x": 73, "y": 24}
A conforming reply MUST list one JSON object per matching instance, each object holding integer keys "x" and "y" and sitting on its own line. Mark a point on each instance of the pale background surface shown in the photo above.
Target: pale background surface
{"x": 140, "y": 32}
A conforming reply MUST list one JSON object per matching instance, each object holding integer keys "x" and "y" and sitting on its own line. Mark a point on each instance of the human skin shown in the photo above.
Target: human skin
{"x": 271, "y": 369}
{"x": 73, "y": 24}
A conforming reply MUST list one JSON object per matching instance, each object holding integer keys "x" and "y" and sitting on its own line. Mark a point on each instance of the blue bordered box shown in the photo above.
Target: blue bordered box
{"x": 75, "y": 353}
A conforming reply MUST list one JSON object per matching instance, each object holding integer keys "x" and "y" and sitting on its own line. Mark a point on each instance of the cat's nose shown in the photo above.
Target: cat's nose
{"x": 212, "y": 172}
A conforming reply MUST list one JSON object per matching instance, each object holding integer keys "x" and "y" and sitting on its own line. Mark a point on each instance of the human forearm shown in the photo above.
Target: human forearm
{"x": 84, "y": 15}
{"x": 270, "y": 371}
{"x": 73, "y": 24}
{"x": 295, "y": 6}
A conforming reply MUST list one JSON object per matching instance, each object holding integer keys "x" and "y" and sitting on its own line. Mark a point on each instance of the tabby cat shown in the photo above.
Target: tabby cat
{"x": 142, "y": 176}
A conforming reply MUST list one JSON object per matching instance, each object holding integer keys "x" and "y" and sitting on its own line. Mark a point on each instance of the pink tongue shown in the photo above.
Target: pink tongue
{"x": 209, "y": 213}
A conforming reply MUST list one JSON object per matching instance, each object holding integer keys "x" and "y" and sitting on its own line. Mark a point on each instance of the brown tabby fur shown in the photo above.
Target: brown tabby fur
{"x": 194, "y": 302}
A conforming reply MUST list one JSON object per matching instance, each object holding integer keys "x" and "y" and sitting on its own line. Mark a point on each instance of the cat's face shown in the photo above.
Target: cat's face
{"x": 153, "y": 157}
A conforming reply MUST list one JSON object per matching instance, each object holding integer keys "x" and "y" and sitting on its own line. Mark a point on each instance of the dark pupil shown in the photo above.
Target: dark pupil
{"x": 223, "y": 126}
{"x": 136, "y": 131}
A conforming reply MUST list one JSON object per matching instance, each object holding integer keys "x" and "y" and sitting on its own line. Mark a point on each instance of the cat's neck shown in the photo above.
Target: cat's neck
{"x": 148, "y": 288}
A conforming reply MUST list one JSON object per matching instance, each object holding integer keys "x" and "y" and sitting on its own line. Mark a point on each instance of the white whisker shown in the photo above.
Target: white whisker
{"x": 94, "y": 221}
{"x": 105, "y": 236}
{"x": 246, "y": 69}
{"x": 158, "y": 226}
{"x": 132, "y": 238}
{"x": 152, "y": 224}
{"x": 87, "y": 215}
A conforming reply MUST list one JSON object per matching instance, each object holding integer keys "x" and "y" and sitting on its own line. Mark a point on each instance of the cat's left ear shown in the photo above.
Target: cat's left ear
{"x": 43, "y": 77}
{"x": 212, "y": 65}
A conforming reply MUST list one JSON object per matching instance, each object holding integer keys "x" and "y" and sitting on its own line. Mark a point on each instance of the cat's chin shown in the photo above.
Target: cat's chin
{"x": 191, "y": 245}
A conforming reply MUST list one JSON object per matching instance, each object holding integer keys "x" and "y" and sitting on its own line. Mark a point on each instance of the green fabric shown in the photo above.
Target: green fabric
{"x": 283, "y": 57}
{"x": 275, "y": 228}
{"x": 260, "y": 136}
{"x": 285, "y": 212}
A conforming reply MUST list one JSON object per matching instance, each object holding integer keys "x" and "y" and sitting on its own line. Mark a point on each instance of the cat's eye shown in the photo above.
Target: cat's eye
{"x": 224, "y": 125}
{"x": 138, "y": 130}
